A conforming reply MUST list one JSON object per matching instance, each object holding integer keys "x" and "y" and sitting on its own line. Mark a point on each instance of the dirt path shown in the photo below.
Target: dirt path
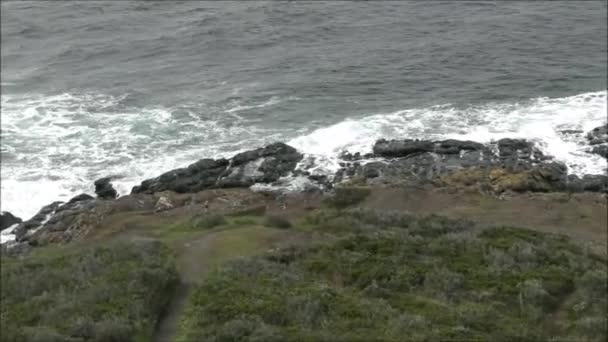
{"x": 169, "y": 323}
{"x": 198, "y": 256}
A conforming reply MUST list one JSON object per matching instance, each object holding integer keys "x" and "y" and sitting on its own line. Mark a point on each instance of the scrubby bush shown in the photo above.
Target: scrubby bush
{"x": 383, "y": 219}
{"x": 277, "y": 222}
{"x": 257, "y": 210}
{"x": 383, "y": 276}
{"x": 110, "y": 293}
{"x": 345, "y": 196}
{"x": 208, "y": 221}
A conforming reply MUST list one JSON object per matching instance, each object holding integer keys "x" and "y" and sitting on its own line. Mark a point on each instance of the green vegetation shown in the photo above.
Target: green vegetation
{"x": 394, "y": 277}
{"x": 345, "y": 196}
{"x": 277, "y": 222}
{"x": 350, "y": 274}
{"x": 207, "y": 221}
{"x": 110, "y": 293}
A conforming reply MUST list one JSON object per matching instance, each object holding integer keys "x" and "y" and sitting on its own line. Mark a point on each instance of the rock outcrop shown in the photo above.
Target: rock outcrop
{"x": 506, "y": 165}
{"x": 104, "y": 188}
{"x": 598, "y": 135}
{"x": 8, "y": 220}
{"x": 63, "y": 222}
{"x": 262, "y": 165}
{"x": 601, "y": 150}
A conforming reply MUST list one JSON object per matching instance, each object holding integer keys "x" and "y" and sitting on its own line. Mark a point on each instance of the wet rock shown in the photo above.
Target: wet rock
{"x": 598, "y": 135}
{"x": 197, "y": 176}
{"x": 7, "y": 220}
{"x": 347, "y": 156}
{"x": 104, "y": 188}
{"x": 401, "y": 148}
{"x": 262, "y": 165}
{"x": 373, "y": 170}
{"x": 571, "y": 131}
{"x": 80, "y": 198}
{"x": 322, "y": 180}
{"x": 601, "y": 150}
{"x": 61, "y": 223}
{"x": 518, "y": 149}
{"x": 452, "y": 146}
{"x": 408, "y": 147}
{"x": 37, "y": 221}
{"x": 592, "y": 183}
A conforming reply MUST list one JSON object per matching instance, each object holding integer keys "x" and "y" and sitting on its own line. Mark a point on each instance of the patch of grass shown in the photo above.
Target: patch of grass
{"x": 258, "y": 210}
{"x": 277, "y": 221}
{"x": 385, "y": 275}
{"x": 244, "y": 221}
{"x": 110, "y": 293}
{"x": 207, "y": 221}
{"x": 345, "y": 196}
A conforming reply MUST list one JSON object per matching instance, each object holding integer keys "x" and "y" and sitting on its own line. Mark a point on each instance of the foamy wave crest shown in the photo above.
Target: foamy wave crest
{"x": 239, "y": 108}
{"x": 539, "y": 120}
{"x": 54, "y": 147}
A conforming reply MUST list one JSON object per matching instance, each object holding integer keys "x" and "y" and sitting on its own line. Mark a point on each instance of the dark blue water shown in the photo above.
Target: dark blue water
{"x": 136, "y": 88}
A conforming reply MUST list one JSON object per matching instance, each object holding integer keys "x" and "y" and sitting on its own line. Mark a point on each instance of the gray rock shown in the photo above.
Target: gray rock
{"x": 262, "y": 165}
{"x": 37, "y": 221}
{"x": 401, "y": 148}
{"x": 601, "y": 150}
{"x": 598, "y": 135}
{"x": 80, "y": 198}
{"x": 571, "y": 131}
{"x": 104, "y": 188}
{"x": 7, "y": 220}
{"x": 593, "y": 183}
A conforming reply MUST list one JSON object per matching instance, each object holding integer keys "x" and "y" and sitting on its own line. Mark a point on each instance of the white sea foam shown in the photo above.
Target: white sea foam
{"x": 239, "y": 108}
{"x": 54, "y": 147}
{"x": 539, "y": 120}
{"x": 7, "y": 234}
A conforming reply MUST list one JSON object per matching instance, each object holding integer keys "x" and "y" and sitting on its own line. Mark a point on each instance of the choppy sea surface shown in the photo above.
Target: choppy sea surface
{"x": 91, "y": 89}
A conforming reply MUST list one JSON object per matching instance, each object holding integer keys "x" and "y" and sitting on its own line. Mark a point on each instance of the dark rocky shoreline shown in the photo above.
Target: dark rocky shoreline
{"x": 508, "y": 165}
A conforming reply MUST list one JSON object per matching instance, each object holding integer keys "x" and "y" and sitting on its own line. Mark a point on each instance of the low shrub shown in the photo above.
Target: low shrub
{"x": 110, "y": 293}
{"x": 383, "y": 276}
{"x": 277, "y": 221}
{"x": 208, "y": 221}
{"x": 345, "y": 196}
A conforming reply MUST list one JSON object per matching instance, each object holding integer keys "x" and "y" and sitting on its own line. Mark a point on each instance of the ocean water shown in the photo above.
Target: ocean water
{"x": 91, "y": 89}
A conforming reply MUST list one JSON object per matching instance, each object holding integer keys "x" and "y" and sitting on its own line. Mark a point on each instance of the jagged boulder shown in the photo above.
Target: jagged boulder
{"x": 601, "y": 150}
{"x": 506, "y": 165}
{"x": 37, "y": 221}
{"x": 104, "y": 188}
{"x": 262, "y": 165}
{"x": 593, "y": 183}
{"x": 64, "y": 222}
{"x": 7, "y": 220}
{"x": 198, "y": 176}
{"x": 401, "y": 148}
{"x": 408, "y": 147}
{"x": 80, "y": 198}
{"x": 598, "y": 135}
